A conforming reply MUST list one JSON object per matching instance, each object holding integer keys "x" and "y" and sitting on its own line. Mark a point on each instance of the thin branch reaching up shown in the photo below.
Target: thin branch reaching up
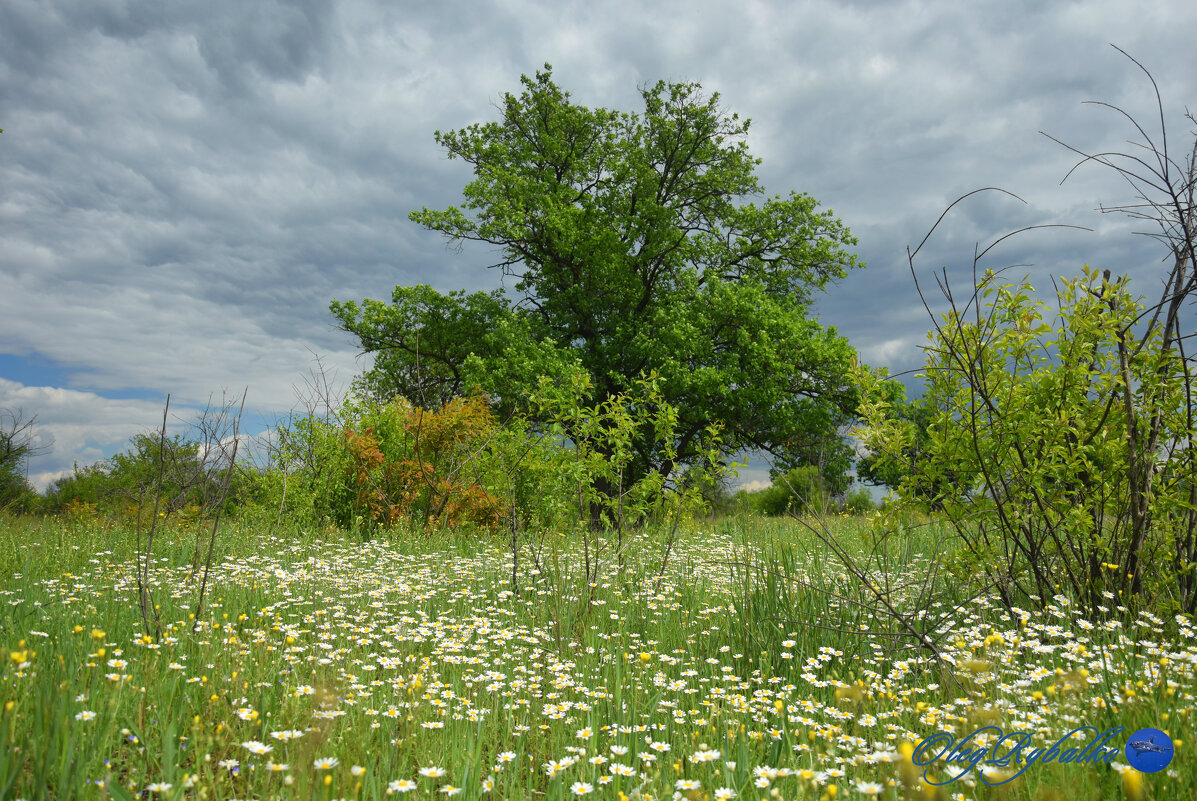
{"x": 219, "y": 506}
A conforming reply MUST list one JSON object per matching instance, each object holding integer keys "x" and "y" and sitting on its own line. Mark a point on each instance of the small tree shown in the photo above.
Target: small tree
{"x": 16, "y": 446}
{"x": 1062, "y": 444}
{"x": 1023, "y": 445}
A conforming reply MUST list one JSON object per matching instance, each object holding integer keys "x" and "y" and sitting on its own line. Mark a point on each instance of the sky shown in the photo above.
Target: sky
{"x": 184, "y": 187}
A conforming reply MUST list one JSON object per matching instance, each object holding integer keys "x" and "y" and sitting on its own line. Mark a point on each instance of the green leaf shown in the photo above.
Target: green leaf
{"x": 633, "y": 251}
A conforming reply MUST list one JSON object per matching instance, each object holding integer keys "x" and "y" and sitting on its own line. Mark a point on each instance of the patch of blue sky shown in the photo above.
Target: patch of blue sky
{"x": 36, "y": 370}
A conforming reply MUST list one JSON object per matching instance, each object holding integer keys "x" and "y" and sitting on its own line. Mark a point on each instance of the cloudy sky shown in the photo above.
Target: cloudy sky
{"x": 185, "y": 186}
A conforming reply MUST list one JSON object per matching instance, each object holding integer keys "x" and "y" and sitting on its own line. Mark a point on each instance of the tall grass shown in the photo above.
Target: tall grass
{"x": 753, "y": 667}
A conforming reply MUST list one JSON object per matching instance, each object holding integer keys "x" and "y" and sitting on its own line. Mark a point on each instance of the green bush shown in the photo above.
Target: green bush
{"x": 859, "y": 501}
{"x": 1061, "y": 451}
{"x": 174, "y": 471}
{"x": 798, "y": 491}
{"x": 392, "y": 465}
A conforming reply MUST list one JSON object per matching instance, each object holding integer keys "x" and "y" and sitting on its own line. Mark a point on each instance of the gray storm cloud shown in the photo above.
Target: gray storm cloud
{"x": 184, "y": 187}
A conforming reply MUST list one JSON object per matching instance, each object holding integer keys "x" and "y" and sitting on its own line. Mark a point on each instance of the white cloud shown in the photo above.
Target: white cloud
{"x": 74, "y": 426}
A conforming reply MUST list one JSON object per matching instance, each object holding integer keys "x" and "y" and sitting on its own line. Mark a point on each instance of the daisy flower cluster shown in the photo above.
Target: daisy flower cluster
{"x": 370, "y": 670}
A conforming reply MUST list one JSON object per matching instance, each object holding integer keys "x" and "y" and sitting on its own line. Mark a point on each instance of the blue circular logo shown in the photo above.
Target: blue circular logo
{"x": 1149, "y": 750}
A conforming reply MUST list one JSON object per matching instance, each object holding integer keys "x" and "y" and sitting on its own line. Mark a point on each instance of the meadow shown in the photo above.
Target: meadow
{"x": 751, "y": 666}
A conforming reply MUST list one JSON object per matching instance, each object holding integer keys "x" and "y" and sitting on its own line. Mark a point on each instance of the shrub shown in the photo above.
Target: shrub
{"x": 1067, "y": 446}
{"x": 795, "y": 491}
{"x": 859, "y": 501}
{"x": 423, "y": 468}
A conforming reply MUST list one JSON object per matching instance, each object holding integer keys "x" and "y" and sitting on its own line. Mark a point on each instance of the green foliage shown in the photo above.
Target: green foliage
{"x": 307, "y": 480}
{"x": 127, "y": 482}
{"x": 796, "y": 491}
{"x": 772, "y": 501}
{"x": 16, "y": 446}
{"x": 602, "y": 441}
{"x": 820, "y": 444}
{"x": 830, "y": 457}
{"x": 432, "y": 348}
{"x": 375, "y": 464}
{"x": 1035, "y": 438}
{"x": 894, "y": 470}
{"x": 87, "y": 484}
{"x": 633, "y": 252}
{"x": 15, "y": 492}
{"x": 714, "y": 490}
{"x": 859, "y": 501}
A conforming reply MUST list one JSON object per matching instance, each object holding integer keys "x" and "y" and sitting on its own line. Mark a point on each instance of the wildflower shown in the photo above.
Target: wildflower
{"x": 488, "y": 784}
{"x": 868, "y": 788}
{"x": 228, "y": 764}
{"x": 581, "y": 788}
{"x": 724, "y": 793}
{"x": 158, "y": 787}
{"x": 86, "y": 714}
{"x": 289, "y": 734}
{"x": 1132, "y": 784}
{"x": 506, "y": 756}
{"x": 449, "y": 789}
{"x": 401, "y": 786}
{"x": 688, "y": 784}
{"x": 326, "y": 763}
{"x": 618, "y": 769}
{"x": 277, "y": 767}
{"x": 357, "y": 770}
{"x": 432, "y": 772}
{"x": 255, "y": 747}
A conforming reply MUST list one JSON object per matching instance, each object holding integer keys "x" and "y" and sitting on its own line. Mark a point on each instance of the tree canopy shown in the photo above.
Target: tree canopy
{"x": 633, "y": 250}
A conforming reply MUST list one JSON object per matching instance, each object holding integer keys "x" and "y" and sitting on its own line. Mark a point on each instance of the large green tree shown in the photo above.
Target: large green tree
{"x": 633, "y": 248}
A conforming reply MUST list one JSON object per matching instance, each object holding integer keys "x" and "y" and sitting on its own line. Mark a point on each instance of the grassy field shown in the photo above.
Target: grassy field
{"x": 330, "y": 668}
